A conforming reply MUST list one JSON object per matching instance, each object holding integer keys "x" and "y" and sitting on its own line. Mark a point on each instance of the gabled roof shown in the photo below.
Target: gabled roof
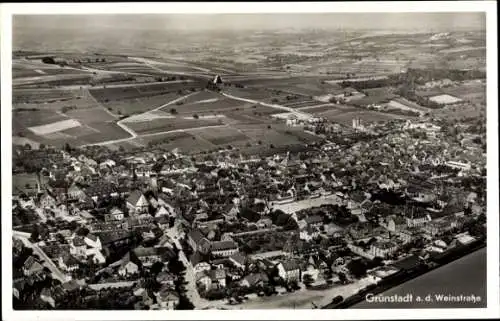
{"x": 313, "y": 219}
{"x": 255, "y": 278}
{"x": 196, "y": 235}
{"x": 196, "y": 258}
{"x": 92, "y": 237}
{"x": 134, "y": 197}
{"x": 223, "y": 245}
{"x": 78, "y": 241}
{"x": 290, "y": 265}
{"x": 238, "y": 258}
{"x": 217, "y": 274}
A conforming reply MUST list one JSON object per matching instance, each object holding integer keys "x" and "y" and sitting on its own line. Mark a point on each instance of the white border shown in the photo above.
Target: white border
{"x": 493, "y": 284}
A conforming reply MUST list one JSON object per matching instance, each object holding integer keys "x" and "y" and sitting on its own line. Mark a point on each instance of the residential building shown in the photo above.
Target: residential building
{"x": 289, "y": 271}
{"x": 224, "y": 248}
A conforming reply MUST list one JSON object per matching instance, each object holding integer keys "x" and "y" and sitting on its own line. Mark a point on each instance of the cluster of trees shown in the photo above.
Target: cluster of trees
{"x": 372, "y": 83}
{"x": 284, "y": 220}
{"x": 422, "y": 76}
{"x": 409, "y": 93}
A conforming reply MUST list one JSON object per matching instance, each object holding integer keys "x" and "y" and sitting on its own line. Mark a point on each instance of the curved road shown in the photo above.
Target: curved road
{"x": 131, "y": 132}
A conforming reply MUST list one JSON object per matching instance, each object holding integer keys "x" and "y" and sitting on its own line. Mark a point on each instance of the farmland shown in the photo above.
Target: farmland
{"x": 91, "y": 115}
{"x": 345, "y": 116}
{"x": 169, "y": 124}
{"x": 221, "y": 135}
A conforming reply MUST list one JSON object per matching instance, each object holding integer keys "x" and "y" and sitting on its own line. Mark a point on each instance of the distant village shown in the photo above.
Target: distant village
{"x": 158, "y": 229}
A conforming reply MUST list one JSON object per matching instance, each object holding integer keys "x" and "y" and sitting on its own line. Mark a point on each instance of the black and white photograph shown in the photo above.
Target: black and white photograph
{"x": 177, "y": 159}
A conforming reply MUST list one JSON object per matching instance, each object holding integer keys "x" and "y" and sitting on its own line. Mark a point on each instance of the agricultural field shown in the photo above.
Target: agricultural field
{"x": 23, "y": 119}
{"x": 169, "y": 124}
{"x": 185, "y": 142}
{"x": 208, "y": 106}
{"x": 91, "y": 115}
{"x": 139, "y": 105}
{"x": 140, "y": 91}
{"x": 221, "y": 135}
{"x": 20, "y": 96}
{"x": 345, "y": 117}
{"x": 53, "y": 80}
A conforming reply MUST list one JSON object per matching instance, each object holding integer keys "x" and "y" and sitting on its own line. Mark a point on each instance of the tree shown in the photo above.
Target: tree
{"x": 342, "y": 277}
{"x": 308, "y": 280}
{"x": 156, "y": 268}
{"x": 35, "y": 236}
{"x": 195, "y": 116}
{"x": 173, "y": 111}
{"x": 184, "y": 303}
{"x": 357, "y": 268}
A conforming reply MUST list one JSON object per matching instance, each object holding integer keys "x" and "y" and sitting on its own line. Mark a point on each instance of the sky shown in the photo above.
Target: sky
{"x": 435, "y": 22}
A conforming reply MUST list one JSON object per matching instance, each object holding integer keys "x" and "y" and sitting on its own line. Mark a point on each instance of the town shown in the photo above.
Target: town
{"x": 201, "y": 182}
{"x": 162, "y": 230}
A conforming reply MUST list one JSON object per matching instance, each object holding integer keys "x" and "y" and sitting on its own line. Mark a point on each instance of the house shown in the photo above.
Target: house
{"x": 417, "y": 218}
{"x": 115, "y": 215}
{"x": 52, "y": 295}
{"x": 231, "y": 212}
{"x": 47, "y": 200}
{"x": 255, "y": 280}
{"x": 198, "y": 262}
{"x": 32, "y": 267}
{"x": 198, "y": 241}
{"x": 395, "y": 223}
{"x": 167, "y": 298}
{"x": 383, "y": 249}
{"x": 264, "y": 223}
{"x": 93, "y": 241}
{"x": 96, "y": 256}
{"x": 203, "y": 280}
{"x": 224, "y": 248}
{"x": 165, "y": 278}
{"x": 137, "y": 202}
{"x": 149, "y": 255}
{"x": 78, "y": 247}
{"x": 289, "y": 271}
{"x": 238, "y": 260}
{"x": 127, "y": 267}
{"x": 309, "y": 233}
{"x": 314, "y": 220}
{"x": 75, "y": 193}
{"x": 68, "y": 263}
{"x": 162, "y": 211}
{"x": 218, "y": 277}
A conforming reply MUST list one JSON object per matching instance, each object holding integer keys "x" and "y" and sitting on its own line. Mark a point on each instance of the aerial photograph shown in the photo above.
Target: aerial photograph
{"x": 249, "y": 161}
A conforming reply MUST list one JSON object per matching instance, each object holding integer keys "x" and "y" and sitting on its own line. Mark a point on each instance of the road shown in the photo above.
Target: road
{"x": 56, "y": 273}
{"x": 191, "y": 291}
